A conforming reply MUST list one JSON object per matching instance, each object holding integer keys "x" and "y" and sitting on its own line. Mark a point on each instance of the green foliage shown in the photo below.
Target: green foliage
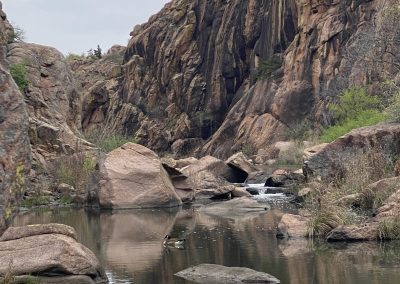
{"x": 267, "y": 67}
{"x": 364, "y": 118}
{"x": 109, "y": 141}
{"x": 97, "y": 52}
{"x": 352, "y": 103}
{"x": 36, "y": 201}
{"x": 248, "y": 150}
{"x": 389, "y": 229}
{"x": 65, "y": 199}
{"x": 16, "y": 35}
{"x": 72, "y": 57}
{"x": 74, "y": 170}
{"x": 19, "y": 73}
{"x": 393, "y": 110}
{"x": 325, "y": 220}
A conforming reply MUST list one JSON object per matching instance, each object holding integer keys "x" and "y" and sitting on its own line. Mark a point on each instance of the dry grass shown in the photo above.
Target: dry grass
{"x": 389, "y": 229}
{"x": 75, "y": 170}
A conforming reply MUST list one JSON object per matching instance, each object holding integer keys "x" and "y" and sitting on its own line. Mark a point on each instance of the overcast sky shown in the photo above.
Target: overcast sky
{"x": 78, "y": 25}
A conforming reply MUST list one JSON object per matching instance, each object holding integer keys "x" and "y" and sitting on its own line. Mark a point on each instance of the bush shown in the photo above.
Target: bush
{"x": 267, "y": 67}
{"x": 36, "y": 201}
{"x": 73, "y": 56}
{"x": 76, "y": 170}
{"x": 19, "y": 73}
{"x": 364, "y": 118}
{"x": 393, "y": 110}
{"x": 110, "y": 141}
{"x": 352, "y": 103}
{"x": 389, "y": 229}
{"x": 17, "y": 34}
{"x": 325, "y": 220}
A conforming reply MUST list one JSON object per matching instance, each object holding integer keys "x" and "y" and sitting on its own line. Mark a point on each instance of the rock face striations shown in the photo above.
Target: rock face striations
{"x": 15, "y": 157}
{"x": 220, "y": 76}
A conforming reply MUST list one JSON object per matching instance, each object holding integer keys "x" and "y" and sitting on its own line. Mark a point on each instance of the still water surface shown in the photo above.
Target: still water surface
{"x": 129, "y": 246}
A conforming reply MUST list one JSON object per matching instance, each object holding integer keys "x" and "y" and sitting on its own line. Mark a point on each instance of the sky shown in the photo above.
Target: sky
{"x": 75, "y": 26}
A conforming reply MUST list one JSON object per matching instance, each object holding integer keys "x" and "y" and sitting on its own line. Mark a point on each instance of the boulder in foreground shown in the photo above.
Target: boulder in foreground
{"x": 133, "y": 176}
{"x": 213, "y": 273}
{"x": 48, "y": 251}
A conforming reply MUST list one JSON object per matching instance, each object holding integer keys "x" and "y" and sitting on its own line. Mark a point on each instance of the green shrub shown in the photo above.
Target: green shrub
{"x": 364, "y": 118}
{"x": 17, "y": 34}
{"x": 393, "y": 110}
{"x": 19, "y": 73}
{"x": 389, "y": 229}
{"x": 107, "y": 143}
{"x": 73, "y": 56}
{"x": 75, "y": 170}
{"x": 352, "y": 103}
{"x": 36, "y": 201}
{"x": 268, "y": 66}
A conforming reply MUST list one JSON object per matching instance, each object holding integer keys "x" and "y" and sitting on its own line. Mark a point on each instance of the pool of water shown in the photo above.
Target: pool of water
{"x": 129, "y": 246}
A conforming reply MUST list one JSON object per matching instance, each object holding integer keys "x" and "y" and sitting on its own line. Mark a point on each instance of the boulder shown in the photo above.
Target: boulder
{"x": 218, "y": 167}
{"x": 240, "y": 192}
{"x": 239, "y": 163}
{"x": 218, "y": 274}
{"x": 15, "y": 233}
{"x": 133, "y": 176}
{"x": 237, "y": 207}
{"x": 329, "y": 161}
{"x": 391, "y": 207}
{"x": 26, "y": 251}
{"x": 292, "y": 226}
{"x": 207, "y": 185}
{"x": 181, "y": 184}
{"x": 284, "y": 178}
{"x": 364, "y": 232}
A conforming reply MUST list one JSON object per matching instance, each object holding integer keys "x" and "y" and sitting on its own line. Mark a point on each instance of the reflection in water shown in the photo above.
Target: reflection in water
{"x": 129, "y": 245}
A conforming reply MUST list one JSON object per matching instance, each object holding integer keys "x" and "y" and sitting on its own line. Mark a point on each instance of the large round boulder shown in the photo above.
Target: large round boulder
{"x": 133, "y": 176}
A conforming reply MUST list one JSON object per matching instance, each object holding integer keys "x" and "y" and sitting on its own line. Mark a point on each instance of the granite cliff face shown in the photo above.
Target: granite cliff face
{"x": 222, "y": 75}
{"x": 15, "y": 157}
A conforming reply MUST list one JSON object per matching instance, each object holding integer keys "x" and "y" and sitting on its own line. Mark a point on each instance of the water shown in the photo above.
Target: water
{"x": 129, "y": 246}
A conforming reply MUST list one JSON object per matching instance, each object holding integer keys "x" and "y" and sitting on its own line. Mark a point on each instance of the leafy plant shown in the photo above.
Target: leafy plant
{"x": 352, "y": 103}
{"x": 389, "y": 229}
{"x": 36, "y": 201}
{"x": 17, "y": 34}
{"x": 394, "y": 109}
{"x": 364, "y": 118}
{"x": 19, "y": 73}
{"x": 267, "y": 67}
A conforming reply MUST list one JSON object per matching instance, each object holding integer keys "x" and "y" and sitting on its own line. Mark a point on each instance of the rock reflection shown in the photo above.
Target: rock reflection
{"x": 129, "y": 244}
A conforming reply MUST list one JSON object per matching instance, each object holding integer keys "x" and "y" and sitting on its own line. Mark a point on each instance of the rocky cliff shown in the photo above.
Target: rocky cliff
{"x": 15, "y": 154}
{"x": 224, "y": 75}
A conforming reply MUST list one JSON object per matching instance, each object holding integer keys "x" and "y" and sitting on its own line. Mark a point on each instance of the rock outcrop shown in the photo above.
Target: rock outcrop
{"x": 15, "y": 155}
{"x": 48, "y": 251}
{"x": 133, "y": 176}
{"x": 240, "y": 74}
{"x": 368, "y": 145}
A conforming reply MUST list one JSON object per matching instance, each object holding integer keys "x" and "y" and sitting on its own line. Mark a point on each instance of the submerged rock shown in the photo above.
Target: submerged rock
{"x": 218, "y": 274}
{"x": 49, "y": 251}
{"x": 237, "y": 207}
{"x": 292, "y": 226}
{"x": 364, "y": 232}
{"x": 133, "y": 176}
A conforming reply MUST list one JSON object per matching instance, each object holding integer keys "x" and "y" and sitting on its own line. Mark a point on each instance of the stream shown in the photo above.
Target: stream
{"x": 128, "y": 243}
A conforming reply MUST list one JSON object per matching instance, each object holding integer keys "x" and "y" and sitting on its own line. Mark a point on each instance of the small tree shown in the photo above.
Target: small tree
{"x": 97, "y": 52}
{"x": 17, "y": 34}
